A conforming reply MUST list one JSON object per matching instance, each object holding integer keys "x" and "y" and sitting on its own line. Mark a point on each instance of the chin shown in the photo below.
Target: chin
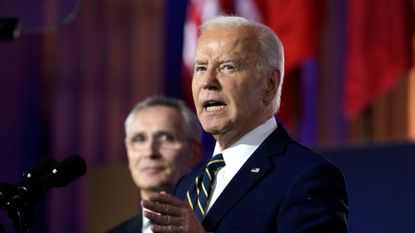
{"x": 153, "y": 186}
{"x": 210, "y": 126}
{"x": 210, "y": 129}
{"x": 216, "y": 127}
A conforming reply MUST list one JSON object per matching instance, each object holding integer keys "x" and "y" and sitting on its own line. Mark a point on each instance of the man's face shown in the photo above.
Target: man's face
{"x": 159, "y": 153}
{"x": 228, "y": 90}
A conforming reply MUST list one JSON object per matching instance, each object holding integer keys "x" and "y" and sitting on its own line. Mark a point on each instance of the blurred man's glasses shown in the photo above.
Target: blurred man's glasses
{"x": 161, "y": 140}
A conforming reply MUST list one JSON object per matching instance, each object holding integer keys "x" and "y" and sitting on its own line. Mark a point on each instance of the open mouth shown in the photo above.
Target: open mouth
{"x": 211, "y": 106}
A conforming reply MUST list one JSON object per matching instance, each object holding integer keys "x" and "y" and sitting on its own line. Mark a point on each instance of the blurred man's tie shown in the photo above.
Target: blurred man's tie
{"x": 200, "y": 191}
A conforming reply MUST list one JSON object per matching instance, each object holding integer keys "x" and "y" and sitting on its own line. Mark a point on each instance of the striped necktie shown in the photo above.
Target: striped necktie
{"x": 200, "y": 191}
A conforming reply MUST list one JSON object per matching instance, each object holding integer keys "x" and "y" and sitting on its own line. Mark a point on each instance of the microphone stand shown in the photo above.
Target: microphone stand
{"x": 19, "y": 200}
{"x": 2, "y": 230}
{"x": 21, "y": 219}
{"x": 15, "y": 217}
{"x": 20, "y": 214}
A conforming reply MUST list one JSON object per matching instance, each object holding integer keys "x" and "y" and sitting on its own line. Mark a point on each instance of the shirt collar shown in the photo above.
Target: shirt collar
{"x": 247, "y": 144}
{"x": 146, "y": 222}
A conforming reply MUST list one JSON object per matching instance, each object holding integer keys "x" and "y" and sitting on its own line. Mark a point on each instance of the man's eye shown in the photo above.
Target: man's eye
{"x": 228, "y": 68}
{"x": 166, "y": 137}
{"x": 138, "y": 138}
{"x": 200, "y": 69}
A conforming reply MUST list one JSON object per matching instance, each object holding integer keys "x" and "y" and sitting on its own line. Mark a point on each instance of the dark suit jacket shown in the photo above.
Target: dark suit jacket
{"x": 295, "y": 191}
{"x": 132, "y": 225}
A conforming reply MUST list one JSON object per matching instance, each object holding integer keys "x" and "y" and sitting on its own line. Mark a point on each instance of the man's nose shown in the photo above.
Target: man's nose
{"x": 151, "y": 148}
{"x": 210, "y": 80}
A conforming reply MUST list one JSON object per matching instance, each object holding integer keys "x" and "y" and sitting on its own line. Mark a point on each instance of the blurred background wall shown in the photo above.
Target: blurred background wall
{"x": 78, "y": 67}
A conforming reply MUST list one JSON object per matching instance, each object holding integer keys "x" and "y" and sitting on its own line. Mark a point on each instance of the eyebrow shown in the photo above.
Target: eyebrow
{"x": 158, "y": 132}
{"x": 200, "y": 62}
{"x": 133, "y": 134}
{"x": 227, "y": 61}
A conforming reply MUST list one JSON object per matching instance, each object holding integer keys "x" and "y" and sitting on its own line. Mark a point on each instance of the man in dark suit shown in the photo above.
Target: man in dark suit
{"x": 259, "y": 179}
{"x": 163, "y": 144}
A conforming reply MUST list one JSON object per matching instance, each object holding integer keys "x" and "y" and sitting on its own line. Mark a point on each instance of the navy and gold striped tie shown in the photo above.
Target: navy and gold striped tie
{"x": 200, "y": 191}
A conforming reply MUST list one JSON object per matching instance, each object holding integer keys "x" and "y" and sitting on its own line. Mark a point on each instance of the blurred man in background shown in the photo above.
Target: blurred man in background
{"x": 163, "y": 144}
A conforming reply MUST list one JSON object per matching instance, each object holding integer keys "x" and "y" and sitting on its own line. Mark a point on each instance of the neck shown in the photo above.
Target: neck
{"x": 227, "y": 139}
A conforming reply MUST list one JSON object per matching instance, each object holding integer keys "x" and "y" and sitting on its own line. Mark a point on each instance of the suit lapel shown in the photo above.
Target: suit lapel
{"x": 254, "y": 169}
{"x": 134, "y": 225}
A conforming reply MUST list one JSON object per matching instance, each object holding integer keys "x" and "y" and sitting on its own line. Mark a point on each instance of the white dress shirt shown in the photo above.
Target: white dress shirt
{"x": 237, "y": 154}
{"x": 145, "y": 228}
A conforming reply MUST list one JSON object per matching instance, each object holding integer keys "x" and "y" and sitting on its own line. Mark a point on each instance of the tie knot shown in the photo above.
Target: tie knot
{"x": 216, "y": 163}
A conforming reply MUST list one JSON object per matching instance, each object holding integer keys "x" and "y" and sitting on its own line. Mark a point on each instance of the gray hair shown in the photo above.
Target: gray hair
{"x": 271, "y": 50}
{"x": 191, "y": 124}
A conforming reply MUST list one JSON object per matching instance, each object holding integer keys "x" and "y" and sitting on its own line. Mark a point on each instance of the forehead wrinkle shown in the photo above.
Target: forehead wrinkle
{"x": 218, "y": 52}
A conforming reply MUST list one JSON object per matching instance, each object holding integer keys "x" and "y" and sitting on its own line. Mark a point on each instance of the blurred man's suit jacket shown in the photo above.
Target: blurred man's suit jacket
{"x": 132, "y": 225}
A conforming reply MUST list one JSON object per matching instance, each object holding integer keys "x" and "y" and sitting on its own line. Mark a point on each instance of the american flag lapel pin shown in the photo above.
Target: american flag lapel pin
{"x": 255, "y": 170}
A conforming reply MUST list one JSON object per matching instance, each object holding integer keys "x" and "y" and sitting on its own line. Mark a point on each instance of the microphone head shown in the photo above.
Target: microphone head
{"x": 39, "y": 169}
{"x": 68, "y": 170}
{"x": 45, "y": 175}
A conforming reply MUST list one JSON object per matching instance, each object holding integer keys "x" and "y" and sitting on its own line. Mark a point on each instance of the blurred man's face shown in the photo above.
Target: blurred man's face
{"x": 228, "y": 91}
{"x": 159, "y": 153}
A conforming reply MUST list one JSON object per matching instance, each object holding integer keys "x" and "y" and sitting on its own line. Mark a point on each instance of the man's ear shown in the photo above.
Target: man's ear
{"x": 271, "y": 85}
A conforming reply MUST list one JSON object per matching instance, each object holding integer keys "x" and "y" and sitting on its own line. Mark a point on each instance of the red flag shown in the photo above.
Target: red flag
{"x": 297, "y": 23}
{"x": 379, "y": 49}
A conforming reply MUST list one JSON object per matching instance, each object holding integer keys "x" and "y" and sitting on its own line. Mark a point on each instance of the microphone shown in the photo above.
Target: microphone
{"x": 65, "y": 172}
{"x": 39, "y": 169}
{"x": 9, "y": 28}
{"x": 7, "y": 190}
{"x": 39, "y": 179}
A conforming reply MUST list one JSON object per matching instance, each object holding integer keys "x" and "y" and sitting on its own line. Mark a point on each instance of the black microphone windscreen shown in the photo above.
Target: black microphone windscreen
{"x": 68, "y": 170}
{"x": 46, "y": 175}
{"x": 39, "y": 169}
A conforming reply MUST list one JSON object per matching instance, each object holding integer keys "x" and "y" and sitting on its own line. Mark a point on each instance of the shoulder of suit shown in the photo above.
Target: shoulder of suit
{"x": 132, "y": 223}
